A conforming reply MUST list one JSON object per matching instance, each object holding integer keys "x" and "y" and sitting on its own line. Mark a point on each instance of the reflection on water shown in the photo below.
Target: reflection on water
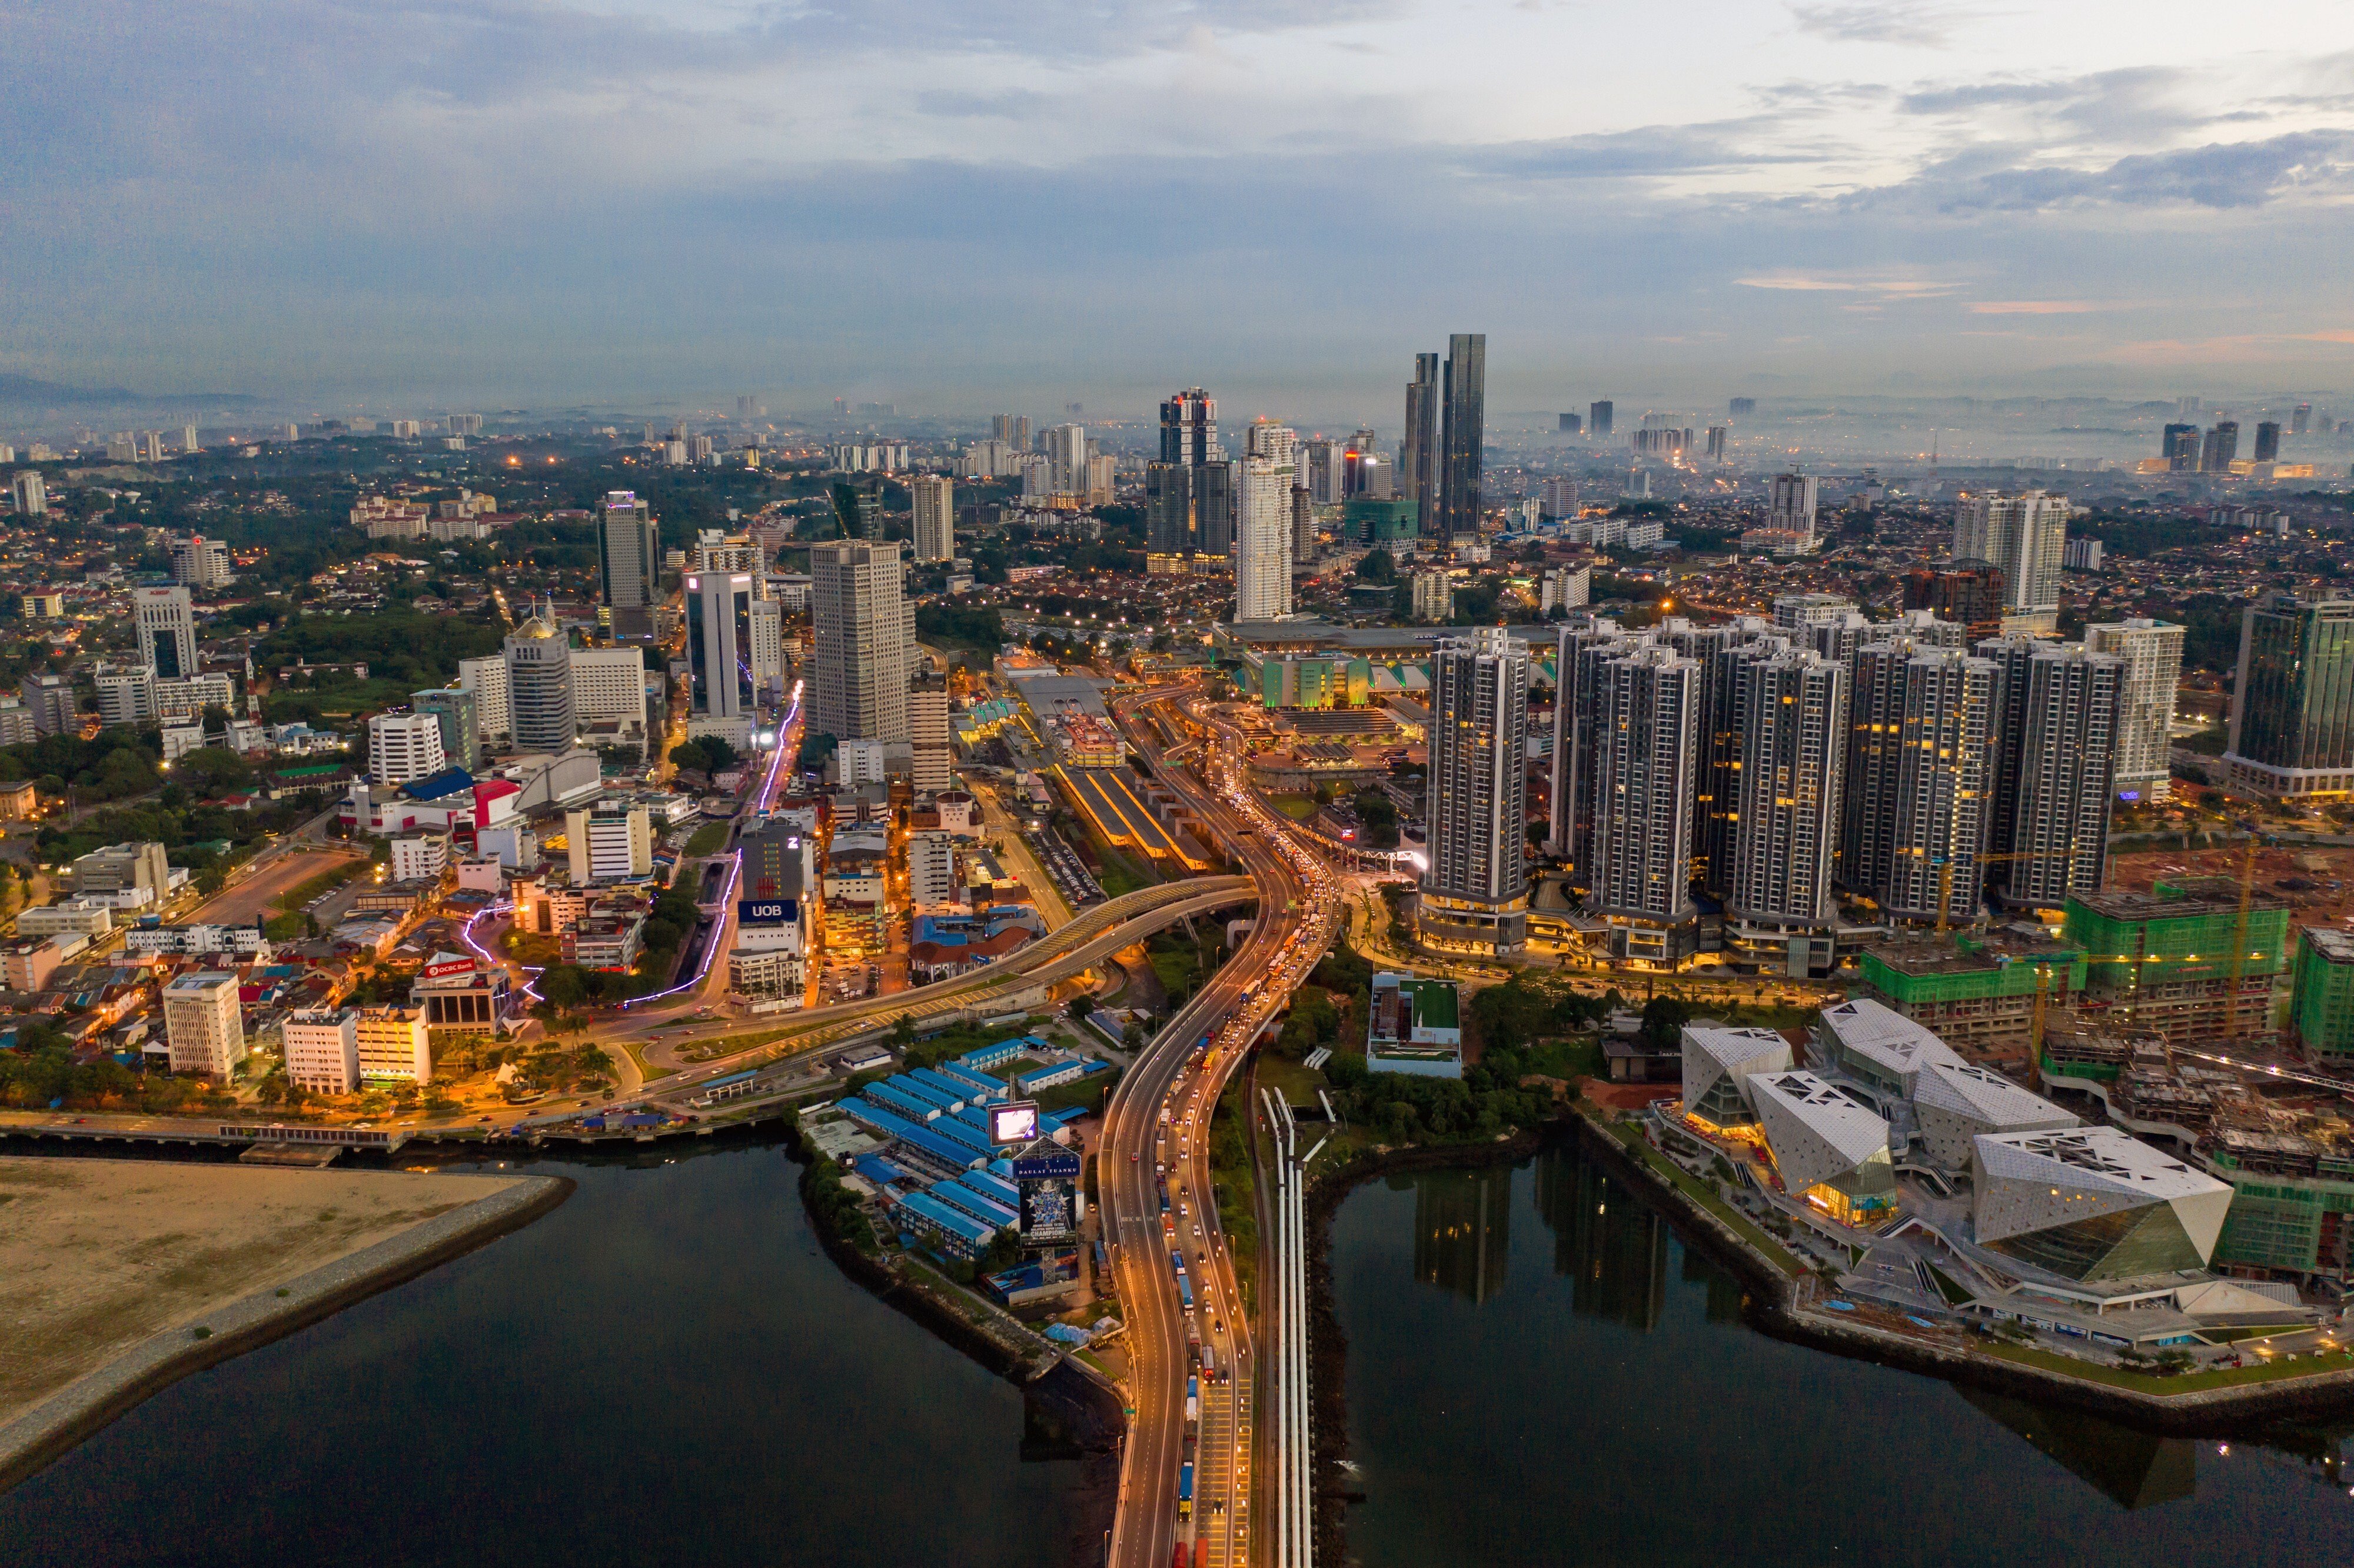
{"x": 1611, "y": 1407}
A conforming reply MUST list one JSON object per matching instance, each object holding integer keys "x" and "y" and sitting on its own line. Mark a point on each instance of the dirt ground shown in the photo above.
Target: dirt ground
{"x": 257, "y": 894}
{"x": 2301, "y": 874}
{"x": 96, "y": 1256}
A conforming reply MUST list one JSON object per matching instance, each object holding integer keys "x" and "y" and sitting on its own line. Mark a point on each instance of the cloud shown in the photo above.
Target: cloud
{"x": 2218, "y": 176}
{"x": 1650, "y": 150}
{"x": 1881, "y": 286}
{"x": 2037, "y": 307}
{"x": 1015, "y": 104}
{"x": 1912, "y": 23}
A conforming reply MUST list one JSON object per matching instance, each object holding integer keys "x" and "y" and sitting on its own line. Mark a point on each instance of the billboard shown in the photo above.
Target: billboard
{"x": 1063, "y": 1164}
{"x": 195, "y": 940}
{"x": 765, "y": 911}
{"x": 1049, "y": 1211}
{"x": 450, "y": 967}
{"x": 1013, "y": 1122}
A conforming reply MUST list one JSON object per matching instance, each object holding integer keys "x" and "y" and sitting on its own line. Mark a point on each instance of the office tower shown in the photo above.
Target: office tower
{"x": 609, "y": 841}
{"x": 1475, "y": 891}
{"x": 2025, "y": 536}
{"x": 1917, "y": 816}
{"x": 2222, "y": 445}
{"x": 1262, "y": 540}
{"x": 50, "y": 701}
{"x": 1579, "y": 647}
{"x": 1968, "y": 593}
{"x": 1792, "y": 719}
{"x": 1013, "y": 430}
{"x": 2178, "y": 444}
{"x": 459, "y": 713}
{"x": 126, "y": 694}
{"x": 2300, "y": 420}
{"x": 1189, "y": 428}
{"x": 1303, "y": 526}
{"x": 405, "y": 747}
{"x": 766, "y": 628}
{"x": 1572, "y": 425}
{"x": 1718, "y": 436}
{"x": 935, "y": 496}
{"x": 1791, "y": 504}
{"x": 487, "y": 679}
{"x": 1419, "y": 454}
{"x": 166, "y": 624}
{"x": 2267, "y": 440}
{"x": 539, "y": 686}
{"x": 864, "y": 643}
{"x": 1322, "y": 469}
{"x": 199, "y": 562}
{"x": 1213, "y": 486}
{"x": 719, "y": 648}
{"x": 1168, "y": 508}
{"x": 2152, "y": 651}
{"x": 1366, "y": 475}
{"x": 1598, "y": 420}
{"x": 2062, "y": 777}
{"x": 1462, "y": 436}
{"x": 32, "y": 495}
{"x": 928, "y": 728}
{"x": 629, "y": 552}
{"x": 204, "y": 1027}
{"x": 2292, "y": 719}
{"x": 1645, "y": 767}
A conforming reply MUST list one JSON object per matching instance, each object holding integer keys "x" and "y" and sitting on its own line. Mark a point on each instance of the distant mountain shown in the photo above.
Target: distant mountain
{"x": 51, "y": 394}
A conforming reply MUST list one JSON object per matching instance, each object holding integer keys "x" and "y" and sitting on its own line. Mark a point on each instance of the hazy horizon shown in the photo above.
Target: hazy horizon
{"x": 633, "y": 202}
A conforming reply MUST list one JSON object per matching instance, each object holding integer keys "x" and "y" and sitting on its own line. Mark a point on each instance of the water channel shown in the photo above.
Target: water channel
{"x": 665, "y": 1370}
{"x": 1540, "y": 1372}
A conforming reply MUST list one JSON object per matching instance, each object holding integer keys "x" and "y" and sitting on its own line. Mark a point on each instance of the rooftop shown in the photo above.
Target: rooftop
{"x": 1855, "y": 1132}
{"x": 1886, "y": 1036}
{"x": 2101, "y": 1158}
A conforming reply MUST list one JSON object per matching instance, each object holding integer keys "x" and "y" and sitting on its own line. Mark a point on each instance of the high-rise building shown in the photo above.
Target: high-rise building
{"x": 199, "y": 562}
{"x": 1168, "y": 508}
{"x": 2267, "y": 440}
{"x": 1968, "y": 593}
{"x": 204, "y": 1028}
{"x": 1790, "y": 506}
{"x": 1214, "y": 499}
{"x": 2179, "y": 447}
{"x": 1419, "y": 454}
{"x": 461, "y": 717}
{"x": 1463, "y": 435}
{"x": 1580, "y": 645}
{"x": 1645, "y": 783}
{"x": 1189, "y": 428}
{"x": 1431, "y": 597}
{"x": 1740, "y": 408}
{"x": 611, "y": 840}
{"x": 487, "y": 679}
{"x": 927, "y": 728}
{"x": 1719, "y": 438}
{"x": 1724, "y": 654}
{"x": 126, "y": 694}
{"x": 1475, "y": 890}
{"x": 2293, "y": 703}
{"x": 1920, "y": 775}
{"x": 935, "y": 496}
{"x": 1598, "y": 420}
{"x": 628, "y": 551}
{"x": 50, "y": 701}
{"x": 1323, "y": 469}
{"x": 1013, "y": 430}
{"x": 1792, "y": 710}
{"x": 1797, "y": 611}
{"x": 31, "y": 494}
{"x": 2061, "y": 783}
{"x": 2152, "y": 651}
{"x": 2300, "y": 420}
{"x": 540, "y": 715}
{"x": 1066, "y": 458}
{"x": 1303, "y": 526}
{"x": 166, "y": 624}
{"x": 766, "y": 626}
{"x": 865, "y": 639}
{"x": 2222, "y": 445}
{"x": 405, "y": 747}
{"x": 1263, "y": 540}
{"x": 1279, "y": 444}
{"x": 323, "y": 1051}
{"x": 719, "y": 650}
{"x": 2025, "y": 536}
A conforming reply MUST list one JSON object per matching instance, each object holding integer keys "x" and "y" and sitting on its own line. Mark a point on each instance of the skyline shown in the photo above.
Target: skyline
{"x": 614, "y": 202}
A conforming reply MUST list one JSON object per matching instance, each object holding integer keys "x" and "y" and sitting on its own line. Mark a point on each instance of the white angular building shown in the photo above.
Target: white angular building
{"x": 2092, "y": 1204}
{"x": 1718, "y": 1065}
{"x": 1830, "y": 1152}
{"x": 1917, "y": 1082}
{"x": 1955, "y": 1103}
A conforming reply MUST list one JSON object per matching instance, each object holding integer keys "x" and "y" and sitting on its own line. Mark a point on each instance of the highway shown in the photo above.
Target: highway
{"x": 1160, "y": 1118}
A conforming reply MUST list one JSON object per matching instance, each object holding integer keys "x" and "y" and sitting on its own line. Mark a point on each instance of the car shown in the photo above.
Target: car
{"x": 1133, "y": 1157}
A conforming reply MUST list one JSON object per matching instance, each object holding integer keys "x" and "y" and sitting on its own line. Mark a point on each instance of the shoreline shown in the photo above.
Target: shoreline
{"x": 35, "y": 1439}
{"x": 1768, "y": 1306}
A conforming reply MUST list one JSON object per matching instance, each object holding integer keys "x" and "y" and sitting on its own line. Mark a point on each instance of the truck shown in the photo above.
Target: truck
{"x": 1192, "y": 1400}
{"x": 1185, "y": 1490}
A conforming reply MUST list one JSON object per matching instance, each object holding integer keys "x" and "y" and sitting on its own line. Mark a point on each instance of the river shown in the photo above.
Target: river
{"x": 665, "y": 1370}
{"x": 1540, "y": 1372}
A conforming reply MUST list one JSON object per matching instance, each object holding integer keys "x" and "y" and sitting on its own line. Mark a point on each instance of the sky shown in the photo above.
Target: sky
{"x": 959, "y": 206}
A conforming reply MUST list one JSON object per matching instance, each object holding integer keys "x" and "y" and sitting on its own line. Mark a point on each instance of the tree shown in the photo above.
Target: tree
{"x": 1664, "y": 1018}
{"x": 1377, "y": 568}
{"x": 902, "y": 1031}
{"x": 1082, "y": 1005}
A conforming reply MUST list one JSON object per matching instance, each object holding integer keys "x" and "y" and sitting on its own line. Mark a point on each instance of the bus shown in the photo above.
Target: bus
{"x": 1186, "y": 1491}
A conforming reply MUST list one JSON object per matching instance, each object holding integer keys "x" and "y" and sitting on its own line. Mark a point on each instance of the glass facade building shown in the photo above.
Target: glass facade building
{"x": 2293, "y": 723}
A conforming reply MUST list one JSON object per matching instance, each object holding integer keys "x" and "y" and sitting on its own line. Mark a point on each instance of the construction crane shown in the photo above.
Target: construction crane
{"x": 1945, "y": 878}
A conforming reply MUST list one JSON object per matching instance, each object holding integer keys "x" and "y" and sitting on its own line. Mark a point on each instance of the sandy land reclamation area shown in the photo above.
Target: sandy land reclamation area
{"x": 96, "y": 1256}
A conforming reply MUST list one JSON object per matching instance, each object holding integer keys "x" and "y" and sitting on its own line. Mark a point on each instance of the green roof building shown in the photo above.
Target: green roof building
{"x": 1977, "y": 993}
{"x": 2322, "y": 1008}
{"x": 2183, "y": 961}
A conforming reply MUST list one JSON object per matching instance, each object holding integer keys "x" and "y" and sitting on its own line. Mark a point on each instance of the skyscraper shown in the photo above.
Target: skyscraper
{"x": 540, "y": 713}
{"x": 404, "y": 747}
{"x": 767, "y": 655}
{"x": 2025, "y": 536}
{"x": 1168, "y": 508}
{"x": 2222, "y": 445}
{"x": 1646, "y": 765}
{"x": 1724, "y": 653}
{"x": 2179, "y": 447}
{"x": 928, "y": 728}
{"x": 2300, "y": 420}
{"x": 1792, "y": 720}
{"x": 1791, "y": 505}
{"x": 487, "y": 679}
{"x": 1189, "y": 428}
{"x": 1463, "y": 438}
{"x": 459, "y": 713}
{"x": 1418, "y": 455}
{"x": 1923, "y": 723}
{"x": 2060, "y": 811}
{"x": 1263, "y": 540}
{"x": 719, "y": 652}
{"x": 2293, "y": 715}
{"x": 2152, "y": 651}
{"x": 2267, "y": 440}
{"x": 1213, "y": 490}
{"x": 629, "y": 552}
{"x": 935, "y": 497}
{"x": 1579, "y": 649}
{"x": 32, "y": 495}
{"x": 1066, "y": 455}
{"x": 1475, "y": 890}
{"x": 198, "y": 562}
{"x": 1598, "y": 420}
{"x": 864, "y": 641}
{"x": 1013, "y": 430}
{"x": 166, "y": 624}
